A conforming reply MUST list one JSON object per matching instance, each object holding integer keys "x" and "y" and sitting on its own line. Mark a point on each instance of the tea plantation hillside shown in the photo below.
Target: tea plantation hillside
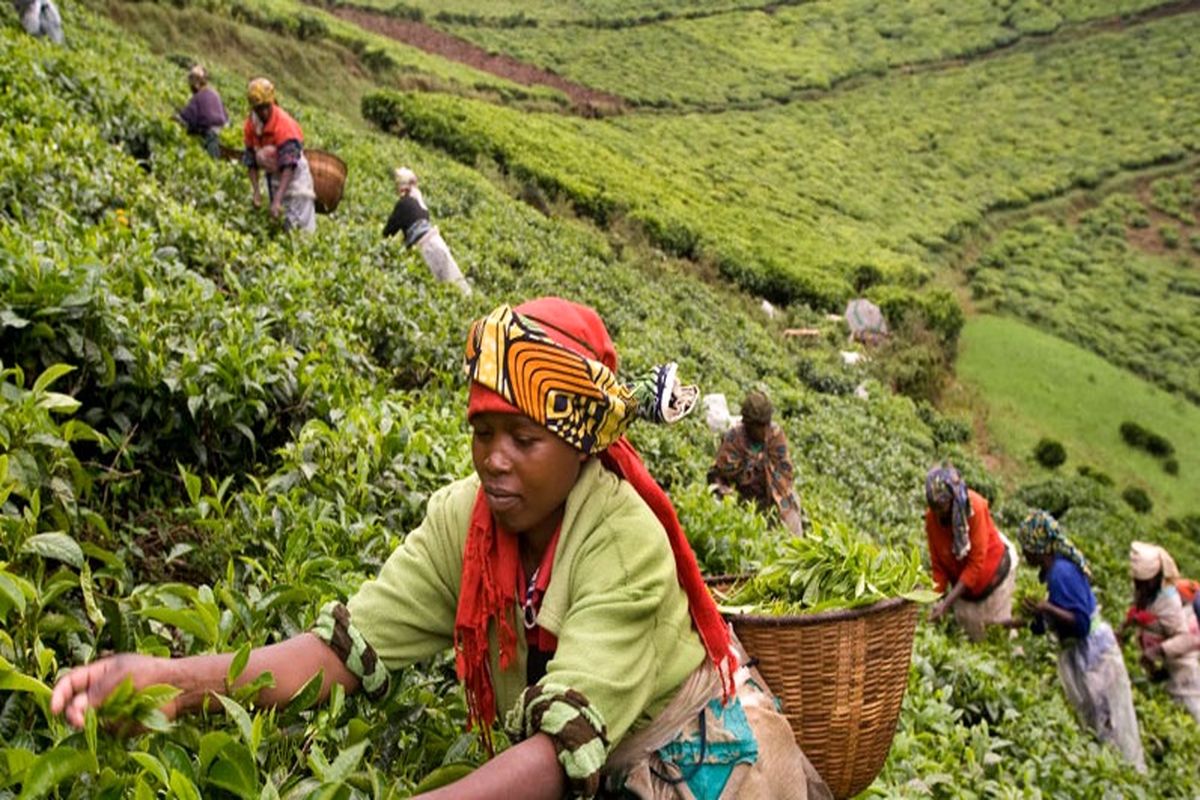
{"x": 717, "y": 56}
{"x": 208, "y": 428}
{"x": 860, "y": 190}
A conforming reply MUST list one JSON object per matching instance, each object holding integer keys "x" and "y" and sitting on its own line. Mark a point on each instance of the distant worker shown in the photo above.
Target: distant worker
{"x": 973, "y": 564}
{"x": 1167, "y": 624}
{"x": 1089, "y": 659}
{"x": 411, "y": 216}
{"x": 753, "y": 460}
{"x": 275, "y": 145}
{"x": 204, "y": 115}
{"x": 40, "y": 18}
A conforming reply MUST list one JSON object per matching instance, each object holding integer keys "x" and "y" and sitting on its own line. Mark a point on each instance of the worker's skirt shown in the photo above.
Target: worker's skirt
{"x": 441, "y": 262}
{"x": 1094, "y": 677}
{"x": 975, "y": 616}
{"x": 699, "y": 749}
{"x": 40, "y": 18}
{"x": 299, "y": 204}
{"x": 1184, "y": 683}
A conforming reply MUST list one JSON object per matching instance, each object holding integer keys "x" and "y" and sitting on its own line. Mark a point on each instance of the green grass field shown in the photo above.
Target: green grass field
{"x": 1037, "y": 385}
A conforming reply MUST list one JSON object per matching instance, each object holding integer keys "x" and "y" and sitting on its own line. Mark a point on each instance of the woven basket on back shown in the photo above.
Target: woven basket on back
{"x": 840, "y": 676}
{"x": 329, "y": 179}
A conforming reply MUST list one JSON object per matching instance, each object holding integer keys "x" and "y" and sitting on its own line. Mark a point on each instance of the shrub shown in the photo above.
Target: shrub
{"x": 1099, "y": 477}
{"x": 913, "y": 361}
{"x": 1133, "y": 434}
{"x": 1170, "y": 236}
{"x": 1137, "y": 499}
{"x": 1159, "y": 446}
{"x": 1194, "y": 241}
{"x": 1188, "y": 524}
{"x": 1154, "y": 444}
{"x": 1171, "y": 466}
{"x": 1050, "y": 453}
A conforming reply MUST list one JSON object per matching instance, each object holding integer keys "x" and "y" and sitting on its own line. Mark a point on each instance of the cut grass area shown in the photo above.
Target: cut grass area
{"x": 1036, "y": 385}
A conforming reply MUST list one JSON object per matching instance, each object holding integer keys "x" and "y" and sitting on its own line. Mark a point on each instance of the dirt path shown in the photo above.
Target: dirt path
{"x": 589, "y": 102}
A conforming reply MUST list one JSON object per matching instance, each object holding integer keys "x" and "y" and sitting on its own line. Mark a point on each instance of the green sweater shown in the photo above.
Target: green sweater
{"x": 625, "y": 637}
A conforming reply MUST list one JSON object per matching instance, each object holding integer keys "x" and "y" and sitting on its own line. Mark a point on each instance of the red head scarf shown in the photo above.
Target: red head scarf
{"x": 490, "y": 565}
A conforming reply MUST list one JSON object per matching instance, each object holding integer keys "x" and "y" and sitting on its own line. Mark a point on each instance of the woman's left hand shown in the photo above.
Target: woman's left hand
{"x": 939, "y": 610}
{"x": 1032, "y": 606}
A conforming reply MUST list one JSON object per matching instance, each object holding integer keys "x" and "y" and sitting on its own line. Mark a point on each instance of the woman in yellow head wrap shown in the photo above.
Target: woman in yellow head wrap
{"x": 275, "y": 145}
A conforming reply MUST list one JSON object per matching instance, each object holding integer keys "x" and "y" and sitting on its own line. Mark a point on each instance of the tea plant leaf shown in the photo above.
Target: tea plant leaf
{"x": 234, "y": 771}
{"x": 58, "y": 546}
{"x": 186, "y": 619}
{"x": 240, "y": 717}
{"x": 11, "y": 593}
{"x": 50, "y": 375}
{"x": 52, "y": 768}
{"x": 183, "y": 787}
{"x": 153, "y": 766}
{"x": 13, "y": 681}
{"x": 307, "y": 695}
{"x": 443, "y": 776}
{"x": 238, "y": 664}
{"x": 345, "y": 763}
{"x": 89, "y": 599}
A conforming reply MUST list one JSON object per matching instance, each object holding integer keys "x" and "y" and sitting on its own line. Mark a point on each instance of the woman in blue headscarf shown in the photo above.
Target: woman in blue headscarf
{"x": 1089, "y": 659}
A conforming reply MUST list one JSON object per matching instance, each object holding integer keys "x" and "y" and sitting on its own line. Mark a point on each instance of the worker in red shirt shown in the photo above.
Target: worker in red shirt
{"x": 973, "y": 564}
{"x": 275, "y": 145}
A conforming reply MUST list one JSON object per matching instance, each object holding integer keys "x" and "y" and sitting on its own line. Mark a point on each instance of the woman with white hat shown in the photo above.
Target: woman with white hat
{"x": 411, "y": 217}
{"x": 1167, "y": 626}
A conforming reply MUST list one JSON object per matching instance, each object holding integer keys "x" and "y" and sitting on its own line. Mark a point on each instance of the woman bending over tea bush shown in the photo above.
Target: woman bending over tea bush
{"x": 973, "y": 564}
{"x": 561, "y": 577}
{"x": 1089, "y": 658}
{"x": 1166, "y": 622}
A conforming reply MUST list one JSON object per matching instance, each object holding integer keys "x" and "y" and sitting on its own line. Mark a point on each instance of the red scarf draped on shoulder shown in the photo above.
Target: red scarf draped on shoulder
{"x": 491, "y": 557}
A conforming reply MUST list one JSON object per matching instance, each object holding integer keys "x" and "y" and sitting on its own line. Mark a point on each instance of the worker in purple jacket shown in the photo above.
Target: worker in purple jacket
{"x": 204, "y": 115}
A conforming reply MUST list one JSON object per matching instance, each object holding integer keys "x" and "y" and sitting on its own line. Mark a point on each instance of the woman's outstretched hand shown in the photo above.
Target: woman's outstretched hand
{"x": 87, "y": 686}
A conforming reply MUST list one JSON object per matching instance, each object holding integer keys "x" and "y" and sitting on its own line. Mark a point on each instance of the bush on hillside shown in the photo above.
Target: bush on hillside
{"x": 1159, "y": 446}
{"x": 1050, "y": 453}
{"x": 1188, "y": 524}
{"x": 1154, "y": 444}
{"x": 1137, "y": 499}
{"x": 945, "y": 430}
{"x": 1057, "y": 495}
{"x": 1099, "y": 477}
{"x": 1170, "y": 236}
{"x": 1171, "y": 466}
{"x": 913, "y": 361}
{"x": 1133, "y": 434}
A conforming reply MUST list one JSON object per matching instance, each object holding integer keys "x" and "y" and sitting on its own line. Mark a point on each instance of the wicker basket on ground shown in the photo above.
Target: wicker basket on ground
{"x": 329, "y": 179}
{"x": 841, "y": 676}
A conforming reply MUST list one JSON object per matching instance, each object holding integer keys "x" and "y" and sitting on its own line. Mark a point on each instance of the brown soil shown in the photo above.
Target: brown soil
{"x": 588, "y": 102}
{"x": 1148, "y": 239}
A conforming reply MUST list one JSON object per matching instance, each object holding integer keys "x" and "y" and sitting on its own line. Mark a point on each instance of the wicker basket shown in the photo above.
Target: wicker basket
{"x": 841, "y": 676}
{"x": 329, "y": 179}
